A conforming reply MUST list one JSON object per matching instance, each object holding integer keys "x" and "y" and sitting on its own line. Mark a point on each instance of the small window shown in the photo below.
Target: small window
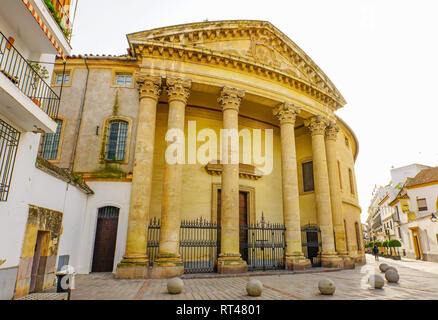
{"x": 123, "y": 79}
{"x": 350, "y": 175}
{"x": 308, "y": 184}
{"x": 62, "y": 78}
{"x": 421, "y": 203}
{"x": 116, "y": 143}
{"x": 347, "y": 143}
{"x": 50, "y": 147}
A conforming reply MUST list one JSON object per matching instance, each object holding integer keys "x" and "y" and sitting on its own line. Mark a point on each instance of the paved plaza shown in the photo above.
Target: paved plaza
{"x": 418, "y": 280}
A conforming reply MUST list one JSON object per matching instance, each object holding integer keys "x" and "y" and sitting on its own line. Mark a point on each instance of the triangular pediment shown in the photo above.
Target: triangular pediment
{"x": 257, "y": 41}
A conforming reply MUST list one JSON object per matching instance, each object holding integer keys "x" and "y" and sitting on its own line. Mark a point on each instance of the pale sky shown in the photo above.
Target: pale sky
{"x": 381, "y": 55}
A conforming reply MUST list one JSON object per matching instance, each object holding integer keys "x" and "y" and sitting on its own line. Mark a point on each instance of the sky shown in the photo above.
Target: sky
{"x": 381, "y": 55}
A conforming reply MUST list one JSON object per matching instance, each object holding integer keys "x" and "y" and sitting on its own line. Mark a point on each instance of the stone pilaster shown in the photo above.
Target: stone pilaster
{"x": 135, "y": 261}
{"x": 335, "y": 194}
{"x": 295, "y": 260}
{"x": 169, "y": 262}
{"x": 230, "y": 260}
{"x": 317, "y": 125}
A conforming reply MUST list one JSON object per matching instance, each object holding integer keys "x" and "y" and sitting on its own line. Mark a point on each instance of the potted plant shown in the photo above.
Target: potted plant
{"x": 40, "y": 73}
{"x": 385, "y": 246}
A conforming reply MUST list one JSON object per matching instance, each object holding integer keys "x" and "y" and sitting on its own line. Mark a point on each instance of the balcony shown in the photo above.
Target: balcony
{"x": 31, "y": 22}
{"x": 25, "y": 98}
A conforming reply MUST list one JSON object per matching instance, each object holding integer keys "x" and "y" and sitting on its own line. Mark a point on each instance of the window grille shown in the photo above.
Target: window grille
{"x": 9, "y": 138}
{"x": 51, "y": 143}
{"x": 116, "y": 144}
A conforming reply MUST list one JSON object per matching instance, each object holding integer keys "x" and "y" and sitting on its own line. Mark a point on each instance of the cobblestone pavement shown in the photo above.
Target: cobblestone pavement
{"x": 418, "y": 280}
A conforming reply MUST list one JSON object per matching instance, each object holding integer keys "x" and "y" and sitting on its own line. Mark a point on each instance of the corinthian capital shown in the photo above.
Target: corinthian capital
{"x": 230, "y": 98}
{"x": 286, "y": 112}
{"x": 332, "y": 131}
{"x": 316, "y": 125}
{"x": 148, "y": 86}
{"x": 178, "y": 89}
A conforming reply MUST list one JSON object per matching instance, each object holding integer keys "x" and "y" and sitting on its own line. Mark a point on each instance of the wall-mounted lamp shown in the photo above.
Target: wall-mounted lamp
{"x": 433, "y": 218}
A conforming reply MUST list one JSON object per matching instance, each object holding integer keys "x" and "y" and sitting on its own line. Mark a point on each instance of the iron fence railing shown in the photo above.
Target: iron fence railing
{"x": 198, "y": 245}
{"x": 25, "y": 76}
{"x": 265, "y": 245}
{"x": 153, "y": 240}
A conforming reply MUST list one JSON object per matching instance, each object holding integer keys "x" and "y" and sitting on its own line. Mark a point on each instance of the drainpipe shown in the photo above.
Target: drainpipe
{"x": 78, "y": 127}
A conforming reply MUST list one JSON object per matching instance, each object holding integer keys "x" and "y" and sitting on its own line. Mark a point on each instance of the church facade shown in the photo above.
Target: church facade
{"x": 225, "y": 129}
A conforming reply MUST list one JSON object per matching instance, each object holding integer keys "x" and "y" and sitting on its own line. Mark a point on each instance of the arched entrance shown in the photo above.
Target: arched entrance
{"x": 105, "y": 240}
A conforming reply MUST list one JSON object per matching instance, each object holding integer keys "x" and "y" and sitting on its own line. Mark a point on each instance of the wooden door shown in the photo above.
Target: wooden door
{"x": 243, "y": 221}
{"x": 36, "y": 260}
{"x": 105, "y": 241}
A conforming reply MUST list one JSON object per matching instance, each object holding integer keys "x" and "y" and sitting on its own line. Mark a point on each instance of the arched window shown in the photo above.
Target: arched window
{"x": 116, "y": 140}
{"x": 50, "y": 146}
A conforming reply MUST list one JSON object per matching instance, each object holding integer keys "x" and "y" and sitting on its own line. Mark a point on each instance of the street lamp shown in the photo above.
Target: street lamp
{"x": 433, "y": 218}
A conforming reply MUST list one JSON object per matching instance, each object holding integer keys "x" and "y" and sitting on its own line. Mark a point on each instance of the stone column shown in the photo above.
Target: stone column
{"x": 169, "y": 263}
{"x": 317, "y": 126}
{"x": 135, "y": 261}
{"x": 335, "y": 195}
{"x": 295, "y": 260}
{"x": 230, "y": 260}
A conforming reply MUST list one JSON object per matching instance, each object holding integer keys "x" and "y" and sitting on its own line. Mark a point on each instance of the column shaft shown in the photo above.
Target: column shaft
{"x": 135, "y": 260}
{"x": 286, "y": 113}
{"x": 230, "y": 259}
{"x": 168, "y": 252}
{"x": 329, "y": 257}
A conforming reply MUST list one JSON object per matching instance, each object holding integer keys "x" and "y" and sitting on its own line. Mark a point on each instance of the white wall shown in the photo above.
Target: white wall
{"x": 106, "y": 193}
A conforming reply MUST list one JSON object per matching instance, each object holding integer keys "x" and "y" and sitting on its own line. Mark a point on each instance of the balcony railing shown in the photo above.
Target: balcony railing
{"x": 25, "y": 76}
{"x": 61, "y": 15}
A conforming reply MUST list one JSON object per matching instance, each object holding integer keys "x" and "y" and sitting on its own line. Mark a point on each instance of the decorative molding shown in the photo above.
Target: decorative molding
{"x": 230, "y": 98}
{"x": 316, "y": 125}
{"x": 332, "y": 131}
{"x": 148, "y": 86}
{"x": 246, "y": 171}
{"x": 269, "y": 53}
{"x": 178, "y": 89}
{"x": 286, "y": 112}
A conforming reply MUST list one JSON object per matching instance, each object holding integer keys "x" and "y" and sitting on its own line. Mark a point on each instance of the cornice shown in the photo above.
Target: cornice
{"x": 196, "y": 34}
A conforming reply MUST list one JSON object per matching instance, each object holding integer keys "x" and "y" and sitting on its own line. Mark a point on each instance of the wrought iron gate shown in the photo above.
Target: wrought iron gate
{"x": 153, "y": 240}
{"x": 198, "y": 245}
{"x": 311, "y": 242}
{"x": 265, "y": 248}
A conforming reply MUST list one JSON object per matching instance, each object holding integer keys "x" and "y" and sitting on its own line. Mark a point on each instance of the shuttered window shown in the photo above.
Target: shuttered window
{"x": 422, "y": 205}
{"x": 308, "y": 184}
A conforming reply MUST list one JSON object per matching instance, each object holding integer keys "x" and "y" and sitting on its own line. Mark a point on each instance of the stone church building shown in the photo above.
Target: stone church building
{"x": 151, "y": 217}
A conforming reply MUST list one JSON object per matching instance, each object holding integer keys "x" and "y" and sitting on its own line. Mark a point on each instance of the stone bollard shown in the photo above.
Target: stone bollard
{"x": 383, "y": 267}
{"x": 254, "y": 288}
{"x": 392, "y": 276}
{"x": 326, "y": 286}
{"x": 391, "y": 268}
{"x": 376, "y": 281}
{"x": 175, "y": 285}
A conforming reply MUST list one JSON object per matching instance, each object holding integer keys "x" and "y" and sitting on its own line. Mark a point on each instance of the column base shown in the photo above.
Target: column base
{"x": 167, "y": 266}
{"x": 332, "y": 260}
{"x": 231, "y": 263}
{"x": 132, "y": 270}
{"x": 298, "y": 263}
{"x": 348, "y": 262}
{"x": 360, "y": 260}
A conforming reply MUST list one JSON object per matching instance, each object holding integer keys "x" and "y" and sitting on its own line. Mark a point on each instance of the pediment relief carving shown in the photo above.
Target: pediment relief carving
{"x": 253, "y": 40}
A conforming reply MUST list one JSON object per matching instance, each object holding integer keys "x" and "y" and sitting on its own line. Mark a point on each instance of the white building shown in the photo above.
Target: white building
{"x": 37, "y": 199}
{"x": 416, "y": 205}
{"x": 383, "y": 216}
